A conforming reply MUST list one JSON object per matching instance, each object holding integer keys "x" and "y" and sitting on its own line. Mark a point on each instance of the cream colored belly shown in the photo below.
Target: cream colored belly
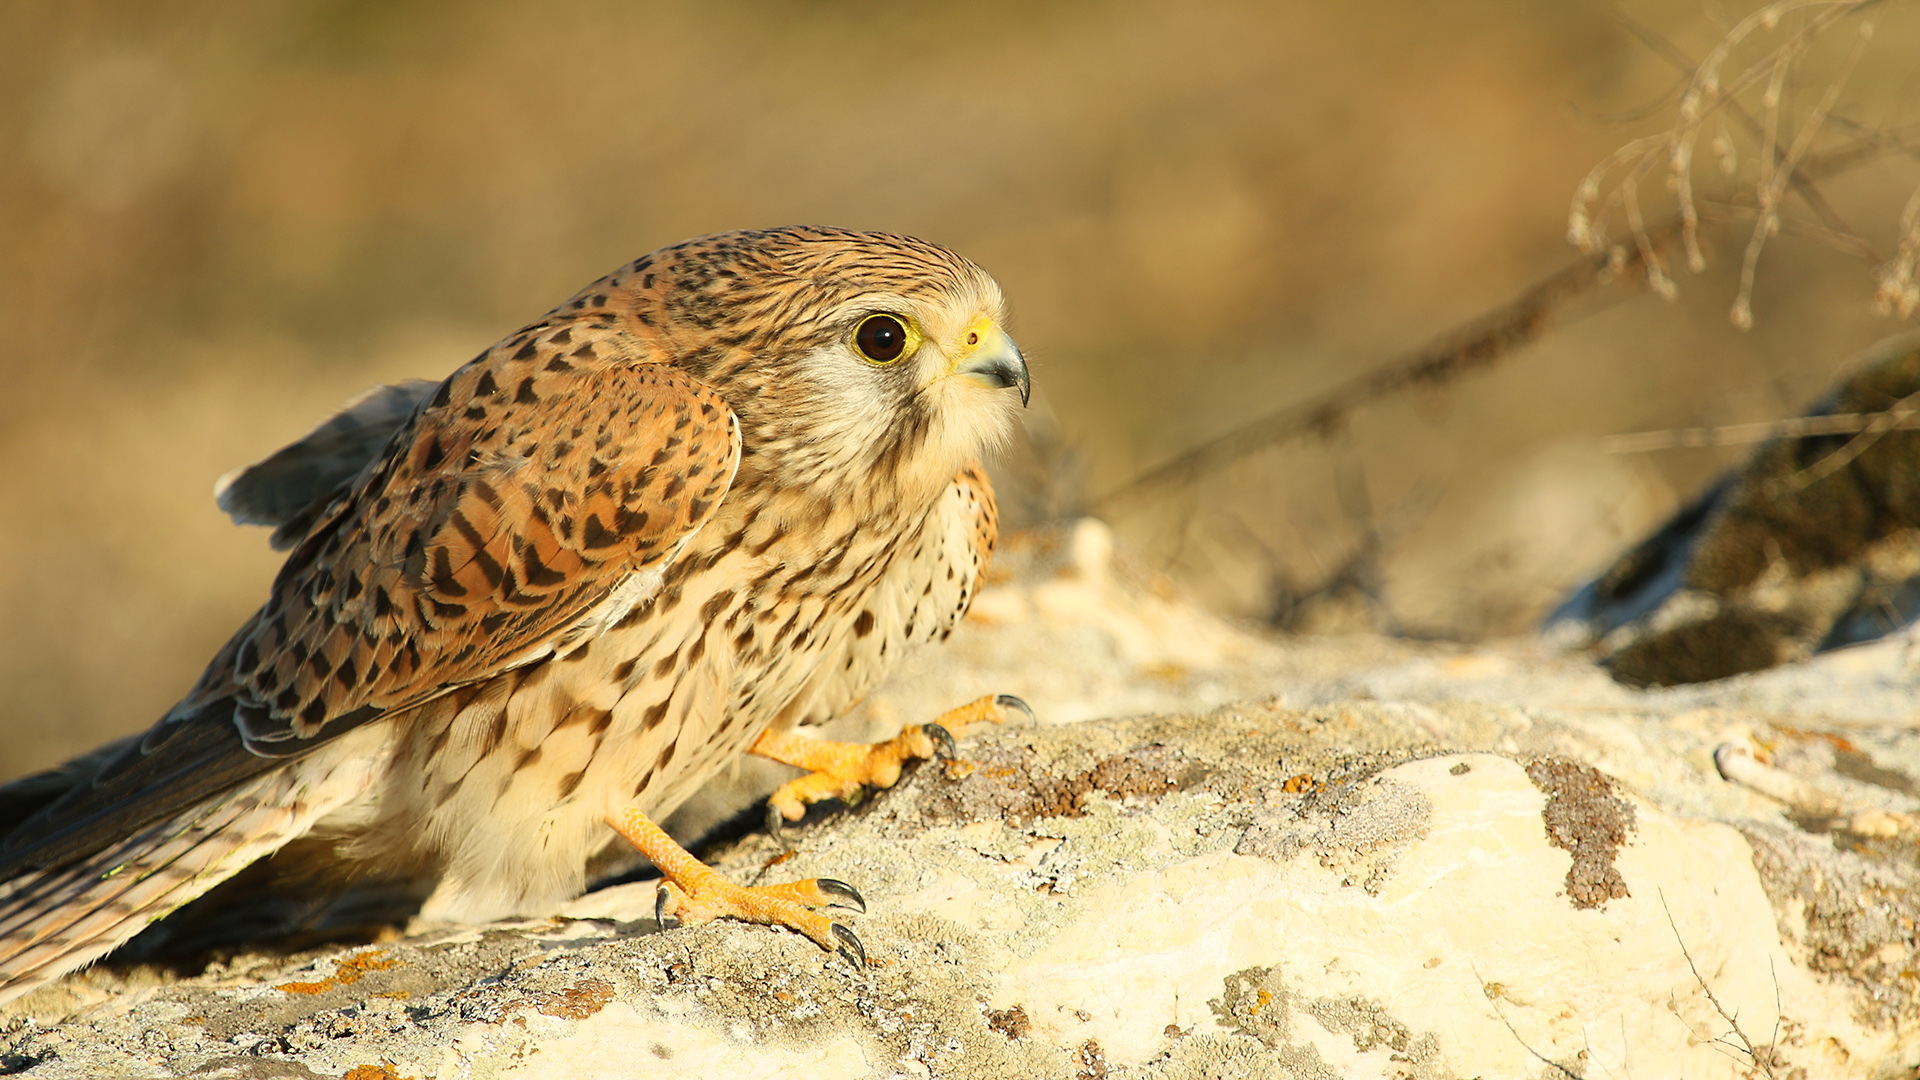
{"x": 509, "y": 785}
{"x": 523, "y": 776}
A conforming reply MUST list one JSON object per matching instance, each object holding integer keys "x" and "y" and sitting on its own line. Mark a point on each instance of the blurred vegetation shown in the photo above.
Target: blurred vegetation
{"x": 220, "y": 220}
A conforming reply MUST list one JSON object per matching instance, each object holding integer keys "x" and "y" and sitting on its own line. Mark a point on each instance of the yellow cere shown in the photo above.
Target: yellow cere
{"x": 978, "y": 332}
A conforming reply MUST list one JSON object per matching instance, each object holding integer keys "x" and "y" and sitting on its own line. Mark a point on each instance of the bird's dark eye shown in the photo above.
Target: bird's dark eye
{"x": 882, "y": 338}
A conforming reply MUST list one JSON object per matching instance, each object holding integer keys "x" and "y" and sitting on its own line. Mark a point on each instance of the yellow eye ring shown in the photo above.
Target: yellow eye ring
{"x": 883, "y": 338}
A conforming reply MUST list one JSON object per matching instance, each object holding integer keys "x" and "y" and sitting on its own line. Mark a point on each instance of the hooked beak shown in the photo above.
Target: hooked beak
{"x": 996, "y": 362}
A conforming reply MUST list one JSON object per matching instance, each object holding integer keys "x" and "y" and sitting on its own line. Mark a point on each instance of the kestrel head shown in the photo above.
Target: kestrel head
{"x": 847, "y": 356}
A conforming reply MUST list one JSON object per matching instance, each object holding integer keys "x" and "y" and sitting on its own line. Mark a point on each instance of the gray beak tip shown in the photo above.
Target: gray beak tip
{"x": 1000, "y": 364}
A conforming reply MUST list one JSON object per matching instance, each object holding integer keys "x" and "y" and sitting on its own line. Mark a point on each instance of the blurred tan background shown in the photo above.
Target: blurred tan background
{"x": 220, "y": 220}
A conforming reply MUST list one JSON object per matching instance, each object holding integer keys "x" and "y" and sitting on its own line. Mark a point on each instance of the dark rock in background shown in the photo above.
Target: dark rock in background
{"x": 1813, "y": 545}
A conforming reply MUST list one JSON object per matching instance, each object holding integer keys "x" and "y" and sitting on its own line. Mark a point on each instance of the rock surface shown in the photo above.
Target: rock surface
{"x": 1328, "y": 857}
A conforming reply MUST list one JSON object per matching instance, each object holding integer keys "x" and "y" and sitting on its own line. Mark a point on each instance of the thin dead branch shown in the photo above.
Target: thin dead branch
{"x": 1730, "y": 214}
{"x": 1904, "y": 416}
{"x": 1722, "y": 144}
{"x": 1493, "y": 992}
{"x": 1481, "y": 342}
{"x": 1877, "y": 427}
{"x": 1471, "y": 347}
{"x": 1782, "y": 167}
{"x": 1745, "y": 1045}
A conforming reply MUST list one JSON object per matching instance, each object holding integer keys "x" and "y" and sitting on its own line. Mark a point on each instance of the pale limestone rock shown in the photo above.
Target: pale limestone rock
{"x": 1357, "y": 876}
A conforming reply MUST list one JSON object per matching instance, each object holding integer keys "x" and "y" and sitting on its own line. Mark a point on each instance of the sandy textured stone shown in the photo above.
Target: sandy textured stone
{"x": 1384, "y": 859}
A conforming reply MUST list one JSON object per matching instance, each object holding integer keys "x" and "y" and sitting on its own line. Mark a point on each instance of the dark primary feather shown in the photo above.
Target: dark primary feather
{"x": 147, "y": 778}
{"x": 292, "y": 487}
{"x": 25, "y": 796}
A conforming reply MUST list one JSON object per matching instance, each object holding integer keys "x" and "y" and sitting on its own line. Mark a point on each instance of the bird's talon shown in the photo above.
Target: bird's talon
{"x": 776, "y": 827}
{"x": 944, "y": 748}
{"x": 1008, "y": 701}
{"x": 850, "y": 946}
{"x": 660, "y": 916}
{"x": 838, "y": 891}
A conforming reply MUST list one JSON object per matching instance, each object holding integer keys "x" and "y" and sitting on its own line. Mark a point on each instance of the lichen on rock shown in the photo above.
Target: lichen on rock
{"x": 1363, "y": 872}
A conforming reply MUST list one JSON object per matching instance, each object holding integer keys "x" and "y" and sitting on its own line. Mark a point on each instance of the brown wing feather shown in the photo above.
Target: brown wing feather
{"x": 497, "y": 539}
{"x": 484, "y": 538}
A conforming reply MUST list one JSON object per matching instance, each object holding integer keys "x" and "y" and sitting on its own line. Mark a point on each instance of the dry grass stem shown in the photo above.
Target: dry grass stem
{"x": 1713, "y": 95}
{"x": 1774, "y": 176}
{"x": 1731, "y": 214}
{"x": 1494, "y": 991}
{"x": 1898, "y": 292}
{"x": 1722, "y": 143}
{"x": 1903, "y": 417}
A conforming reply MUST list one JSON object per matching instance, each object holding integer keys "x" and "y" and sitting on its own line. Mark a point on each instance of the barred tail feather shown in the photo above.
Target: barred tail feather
{"x": 54, "y": 921}
{"x": 58, "y": 920}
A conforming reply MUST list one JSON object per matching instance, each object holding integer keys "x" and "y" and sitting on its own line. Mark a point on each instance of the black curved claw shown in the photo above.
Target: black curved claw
{"x": 776, "y": 827}
{"x": 840, "y": 890}
{"x": 660, "y": 915}
{"x": 1008, "y": 701}
{"x": 850, "y": 947}
{"x": 944, "y": 748}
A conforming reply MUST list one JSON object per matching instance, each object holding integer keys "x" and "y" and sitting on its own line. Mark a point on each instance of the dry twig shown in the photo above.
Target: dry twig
{"x": 1470, "y": 347}
{"x": 1714, "y": 95}
{"x": 1493, "y": 992}
{"x": 1745, "y": 1045}
{"x": 1477, "y": 344}
{"x": 1878, "y": 424}
{"x": 1904, "y": 416}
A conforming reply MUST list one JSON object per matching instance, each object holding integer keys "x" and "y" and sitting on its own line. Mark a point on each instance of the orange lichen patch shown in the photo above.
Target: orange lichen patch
{"x": 348, "y": 971}
{"x": 1838, "y": 742}
{"x": 1017, "y": 794}
{"x": 576, "y": 1002}
{"x": 382, "y": 1071}
{"x": 1299, "y": 785}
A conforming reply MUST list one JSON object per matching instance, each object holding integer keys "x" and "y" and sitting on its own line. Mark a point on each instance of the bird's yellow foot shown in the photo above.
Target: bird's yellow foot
{"x": 695, "y": 893}
{"x": 841, "y": 770}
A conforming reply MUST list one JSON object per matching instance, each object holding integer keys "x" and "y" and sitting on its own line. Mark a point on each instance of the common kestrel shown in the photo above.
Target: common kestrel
{"x": 707, "y": 500}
